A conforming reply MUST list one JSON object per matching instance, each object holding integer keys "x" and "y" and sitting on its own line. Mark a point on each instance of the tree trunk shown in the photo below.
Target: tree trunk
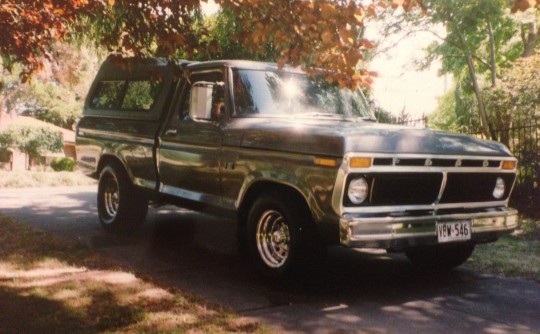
{"x": 472, "y": 72}
{"x": 5, "y": 96}
{"x": 529, "y": 36}
{"x": 492, "y": 56}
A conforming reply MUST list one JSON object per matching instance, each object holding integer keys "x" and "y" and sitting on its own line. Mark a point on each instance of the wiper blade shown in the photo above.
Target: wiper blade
{"x": 323, "y": 115}
{"x": 367, "y": 119}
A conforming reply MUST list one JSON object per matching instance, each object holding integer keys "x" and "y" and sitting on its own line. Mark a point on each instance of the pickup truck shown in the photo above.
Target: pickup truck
{"x": 297, "y": 162}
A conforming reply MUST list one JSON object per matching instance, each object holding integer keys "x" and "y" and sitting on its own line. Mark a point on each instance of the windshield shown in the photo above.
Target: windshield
{"x": 278, "y": 93}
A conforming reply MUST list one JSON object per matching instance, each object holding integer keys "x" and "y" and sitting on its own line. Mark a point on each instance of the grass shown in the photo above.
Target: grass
{"x": 514, "y": 255}
{"x": 50, "y": 286}
{"x": 36, "y": 179}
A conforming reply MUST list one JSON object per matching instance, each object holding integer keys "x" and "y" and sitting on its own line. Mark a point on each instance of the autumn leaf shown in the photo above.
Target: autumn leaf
{"x": 523, "y": 5}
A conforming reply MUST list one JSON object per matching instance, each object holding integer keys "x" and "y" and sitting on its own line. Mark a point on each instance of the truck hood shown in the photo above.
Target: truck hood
{"x": 336, "y": 138}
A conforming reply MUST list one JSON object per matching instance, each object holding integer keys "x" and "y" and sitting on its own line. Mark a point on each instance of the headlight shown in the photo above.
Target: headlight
{"x": 498, "y": 192}
{"x": 358, "y": 190}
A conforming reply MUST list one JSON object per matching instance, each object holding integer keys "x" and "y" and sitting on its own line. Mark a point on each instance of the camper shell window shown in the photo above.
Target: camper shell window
{"x": 135, "y": 95}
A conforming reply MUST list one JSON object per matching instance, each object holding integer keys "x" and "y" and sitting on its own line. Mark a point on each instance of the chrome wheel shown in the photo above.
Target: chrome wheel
{"x": 111, "y": 196}
{"x": 273, "y": 238}
{"x": 121, "y": 206}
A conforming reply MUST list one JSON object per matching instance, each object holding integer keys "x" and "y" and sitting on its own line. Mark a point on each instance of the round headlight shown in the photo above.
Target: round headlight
{"x": 358, "y": 190}
{"x": 498, "y": 191}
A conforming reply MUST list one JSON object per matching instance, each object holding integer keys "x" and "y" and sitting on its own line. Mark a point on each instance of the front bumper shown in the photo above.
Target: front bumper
{"x": 400, "y": 232}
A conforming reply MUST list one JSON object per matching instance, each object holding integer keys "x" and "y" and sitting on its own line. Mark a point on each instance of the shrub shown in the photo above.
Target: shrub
{"x": 63, "y": 164}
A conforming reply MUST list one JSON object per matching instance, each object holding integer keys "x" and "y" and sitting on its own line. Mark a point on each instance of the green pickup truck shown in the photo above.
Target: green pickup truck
{"x": 299, "y": 163}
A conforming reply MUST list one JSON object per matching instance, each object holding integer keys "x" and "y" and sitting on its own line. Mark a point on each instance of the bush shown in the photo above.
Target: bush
{"x": 63, "y": 164}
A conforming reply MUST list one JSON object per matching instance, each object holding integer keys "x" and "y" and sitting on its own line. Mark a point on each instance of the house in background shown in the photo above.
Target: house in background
{"x": 13, "y": 159}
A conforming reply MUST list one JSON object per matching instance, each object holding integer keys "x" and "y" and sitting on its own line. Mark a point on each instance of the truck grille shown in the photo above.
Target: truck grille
{"x": 388, "y": 189}
{"x": 473, "y": 187}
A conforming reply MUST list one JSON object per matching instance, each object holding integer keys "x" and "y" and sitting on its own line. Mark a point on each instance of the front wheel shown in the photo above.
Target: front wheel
{"x": 444, "y": 257}
{"x": 121, "y": 207}
{"x": 276, "y": 235}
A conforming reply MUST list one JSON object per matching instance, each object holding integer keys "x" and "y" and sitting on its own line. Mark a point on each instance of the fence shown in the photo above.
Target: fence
{"x": 523, "y": 140}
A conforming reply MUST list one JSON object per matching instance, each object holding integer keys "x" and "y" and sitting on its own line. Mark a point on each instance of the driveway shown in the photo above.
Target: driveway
{"x": 351, "y": 292}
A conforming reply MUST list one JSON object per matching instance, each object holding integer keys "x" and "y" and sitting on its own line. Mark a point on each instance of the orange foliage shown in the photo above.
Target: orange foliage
{"x": 30, "y": 27}
{"x": 313, "y": 34}
{"x": 523, "y": 5}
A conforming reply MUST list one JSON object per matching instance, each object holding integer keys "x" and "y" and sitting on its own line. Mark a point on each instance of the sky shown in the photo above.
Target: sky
{"x": 399, "y": 86}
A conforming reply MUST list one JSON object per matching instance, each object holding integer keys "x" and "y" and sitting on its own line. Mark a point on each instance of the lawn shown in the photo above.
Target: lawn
{"x": 36, "y": 179}
{"x": 50, "y": 286}
{"x": 514, "y": 255}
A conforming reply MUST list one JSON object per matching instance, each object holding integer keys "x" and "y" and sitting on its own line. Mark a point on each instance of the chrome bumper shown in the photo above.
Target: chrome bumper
{"x": 397, "y": 233}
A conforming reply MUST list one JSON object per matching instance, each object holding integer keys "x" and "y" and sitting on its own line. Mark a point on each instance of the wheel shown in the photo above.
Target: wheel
{"x": 277, "y": 234}
{"x": 121, "y": 206}
{"x": 443, "y": 257}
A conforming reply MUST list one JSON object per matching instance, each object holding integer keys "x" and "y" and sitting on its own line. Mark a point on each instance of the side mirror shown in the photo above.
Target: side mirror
{"x": 200, "y": 106}
{"x": 207, "y": 101}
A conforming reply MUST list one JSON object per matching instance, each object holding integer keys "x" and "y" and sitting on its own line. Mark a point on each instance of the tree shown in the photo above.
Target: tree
{"x": 56, "y": 93}
{"x": 529, "y": 23}
{"x": 32, "y": 140}
{"x": 455, "y": 112}
{"x": 29, "y": 29}
{"x": 478, "y": 34}
{"x": 315, "y": 34}
{"x": 517, "y": 98}
{"x": 10, "y": 85}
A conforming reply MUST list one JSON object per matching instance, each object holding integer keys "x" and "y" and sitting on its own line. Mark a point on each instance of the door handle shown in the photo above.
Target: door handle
{"x": 171, "y": 132}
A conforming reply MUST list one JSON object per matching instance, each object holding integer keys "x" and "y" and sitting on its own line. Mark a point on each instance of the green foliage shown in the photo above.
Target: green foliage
{"x": 63, "y": 165}
{"x": 518, "y": 93}
{"x": 31, "y": 139}
{"x": 140, "y": 95}
{"x": 216, "y": 36}
{"x": 456, "y": 112}
{"x": 469, "y": 19}
{"x": 51, "y": 103}
{"x": 515, "y": 102}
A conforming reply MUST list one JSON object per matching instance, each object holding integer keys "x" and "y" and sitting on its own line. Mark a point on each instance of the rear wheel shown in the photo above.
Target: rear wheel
{"x": 277, "y": 237}
{"x": 444, "y": 257}
{"x": 121, "y": 206}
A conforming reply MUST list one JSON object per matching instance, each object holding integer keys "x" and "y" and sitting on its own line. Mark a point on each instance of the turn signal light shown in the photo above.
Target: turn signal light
{"x": 509, "y": 165}
{"x": 360, "y": 162}
{"x": 325, "y": 162}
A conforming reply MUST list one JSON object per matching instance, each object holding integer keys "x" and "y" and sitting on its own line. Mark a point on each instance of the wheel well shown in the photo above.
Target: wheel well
{"x": 280, "y": 190}
{"x": 109, "y": 160}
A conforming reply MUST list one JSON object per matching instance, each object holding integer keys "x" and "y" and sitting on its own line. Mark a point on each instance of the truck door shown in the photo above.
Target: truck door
{"x": 189, "y": 153}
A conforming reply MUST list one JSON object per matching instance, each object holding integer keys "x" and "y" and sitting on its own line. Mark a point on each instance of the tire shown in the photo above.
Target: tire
{"x": 439, "y": 258}
{"x": 277, "y": 234}
{"x": 121, "y": 206}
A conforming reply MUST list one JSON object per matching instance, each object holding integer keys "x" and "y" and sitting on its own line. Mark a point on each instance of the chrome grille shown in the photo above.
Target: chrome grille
{"x": 400, "y": 188}
{"x": 424, "y": 188}
{"x": 473, "y": 187}
{"x": 437, "y": 162}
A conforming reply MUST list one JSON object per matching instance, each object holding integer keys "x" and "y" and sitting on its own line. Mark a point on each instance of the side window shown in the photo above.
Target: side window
{"x": 134, "y": 95}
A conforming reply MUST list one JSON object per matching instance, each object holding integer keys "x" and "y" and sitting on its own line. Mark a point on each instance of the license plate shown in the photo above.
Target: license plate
{"x": 454, "y": 231}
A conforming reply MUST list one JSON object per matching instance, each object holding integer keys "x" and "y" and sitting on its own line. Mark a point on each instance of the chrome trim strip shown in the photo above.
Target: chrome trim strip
{"x": 118, "y": 137}
{"x": 443, "y": 187}
{"x": 398, "y": 208}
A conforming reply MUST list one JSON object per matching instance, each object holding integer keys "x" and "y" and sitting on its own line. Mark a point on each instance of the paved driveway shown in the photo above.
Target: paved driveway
{"x": 351, "y": 292}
